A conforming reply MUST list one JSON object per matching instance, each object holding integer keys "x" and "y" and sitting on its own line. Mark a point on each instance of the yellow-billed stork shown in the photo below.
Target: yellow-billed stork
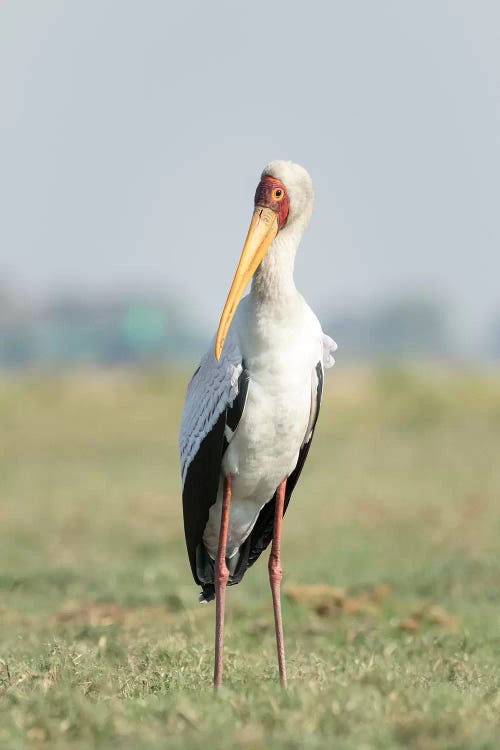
{"x": 252, "y": 405}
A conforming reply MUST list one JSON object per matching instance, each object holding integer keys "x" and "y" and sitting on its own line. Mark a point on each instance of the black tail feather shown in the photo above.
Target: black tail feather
{"x": 207, "y": 594}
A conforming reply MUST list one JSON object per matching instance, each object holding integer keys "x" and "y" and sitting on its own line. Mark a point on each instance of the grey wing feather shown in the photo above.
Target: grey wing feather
{"x": 213, "y": 388}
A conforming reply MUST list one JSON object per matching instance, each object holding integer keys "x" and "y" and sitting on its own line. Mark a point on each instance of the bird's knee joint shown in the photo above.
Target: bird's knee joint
{"x": 275, "y": 569}
{"x": 222, "y": 575}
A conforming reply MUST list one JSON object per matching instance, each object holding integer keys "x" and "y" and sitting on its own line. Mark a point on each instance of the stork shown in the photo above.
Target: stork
{"x": 251, "y": 406}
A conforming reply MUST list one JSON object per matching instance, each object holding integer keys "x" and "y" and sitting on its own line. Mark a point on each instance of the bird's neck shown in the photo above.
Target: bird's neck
{"x": 273, "y": 281}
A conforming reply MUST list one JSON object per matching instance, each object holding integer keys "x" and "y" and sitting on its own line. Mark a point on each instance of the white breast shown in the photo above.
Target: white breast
{"x": 281, "y": 357}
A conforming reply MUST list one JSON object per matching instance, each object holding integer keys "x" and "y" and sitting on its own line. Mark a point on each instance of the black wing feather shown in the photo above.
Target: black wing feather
{"x": 200, "y": 488}
{"x": 202, "y": 480}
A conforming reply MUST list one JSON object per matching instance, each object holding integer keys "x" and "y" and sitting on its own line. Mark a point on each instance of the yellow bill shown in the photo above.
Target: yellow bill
{"x": 263, "y": 230}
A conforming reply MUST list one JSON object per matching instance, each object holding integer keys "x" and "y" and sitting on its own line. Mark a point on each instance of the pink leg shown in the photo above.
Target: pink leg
{"x": 221, "y": 578}
{"x": 275, "y": 576}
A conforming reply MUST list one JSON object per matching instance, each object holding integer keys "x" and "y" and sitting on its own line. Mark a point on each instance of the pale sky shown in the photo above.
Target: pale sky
{"x": 132, "y": 136}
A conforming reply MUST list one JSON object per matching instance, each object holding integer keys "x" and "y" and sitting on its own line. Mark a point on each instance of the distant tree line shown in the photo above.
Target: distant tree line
{"x": 403, "y": 329}
{"x": 130, "y": 329}
{"x": 76, "y": 330}
{"x": 415, "y": 327}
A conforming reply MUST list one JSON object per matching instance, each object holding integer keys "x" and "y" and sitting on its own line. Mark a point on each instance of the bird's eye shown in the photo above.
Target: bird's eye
{"x": 277, "y": 194}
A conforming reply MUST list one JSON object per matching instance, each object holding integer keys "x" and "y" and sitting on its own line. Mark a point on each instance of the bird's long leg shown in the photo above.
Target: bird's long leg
{"x": 221, "y": 578}
{"x": 275, "y": 576}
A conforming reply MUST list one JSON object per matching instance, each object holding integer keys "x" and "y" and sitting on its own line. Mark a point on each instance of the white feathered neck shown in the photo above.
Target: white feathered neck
{"x": 273, "y": 282}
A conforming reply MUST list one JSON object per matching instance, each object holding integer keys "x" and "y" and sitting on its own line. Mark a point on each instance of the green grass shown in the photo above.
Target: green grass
{"x": 103, "y": 644}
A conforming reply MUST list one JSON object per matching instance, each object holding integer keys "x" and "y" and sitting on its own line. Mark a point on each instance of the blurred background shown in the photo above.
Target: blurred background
{"x": 132, "y": 138}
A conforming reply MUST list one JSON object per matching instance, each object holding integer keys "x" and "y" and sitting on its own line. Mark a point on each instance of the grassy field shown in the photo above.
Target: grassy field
{"x": 397, "y": 518}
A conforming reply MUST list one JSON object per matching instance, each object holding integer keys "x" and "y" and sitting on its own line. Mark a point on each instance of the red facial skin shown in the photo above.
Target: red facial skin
{"x": 268, "y": 195}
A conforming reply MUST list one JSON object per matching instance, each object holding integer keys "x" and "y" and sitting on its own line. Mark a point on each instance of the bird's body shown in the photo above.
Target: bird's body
{"x": 251, "y": 409}
{"x": 281, "y": 356}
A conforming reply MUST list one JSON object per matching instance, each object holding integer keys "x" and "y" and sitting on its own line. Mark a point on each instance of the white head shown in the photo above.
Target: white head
{"x": 298, "y": 186}
{"x": 283, "y": 206}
